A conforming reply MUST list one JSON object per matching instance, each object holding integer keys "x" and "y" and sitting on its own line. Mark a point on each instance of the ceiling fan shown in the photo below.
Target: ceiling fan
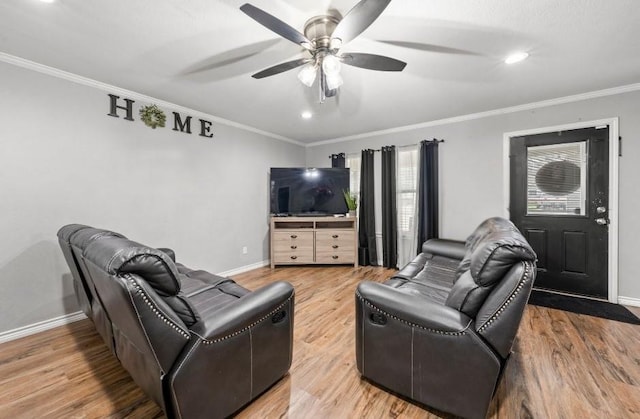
{"x": 323, "y": 37}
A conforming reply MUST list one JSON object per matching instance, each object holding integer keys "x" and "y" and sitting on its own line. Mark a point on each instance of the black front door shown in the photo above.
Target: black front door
{"x": 559, "y": 200}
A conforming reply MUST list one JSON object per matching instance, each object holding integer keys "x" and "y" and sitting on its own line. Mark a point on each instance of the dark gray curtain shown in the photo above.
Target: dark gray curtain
{"x": 428, "y": 192}
{"x": 337, "y": 160}
{"x": 389, "y": 210}
{"x": 367, "y": 254}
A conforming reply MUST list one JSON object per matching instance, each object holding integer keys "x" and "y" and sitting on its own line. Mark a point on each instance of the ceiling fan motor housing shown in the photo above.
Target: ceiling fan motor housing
{"x": 318, "y": 29}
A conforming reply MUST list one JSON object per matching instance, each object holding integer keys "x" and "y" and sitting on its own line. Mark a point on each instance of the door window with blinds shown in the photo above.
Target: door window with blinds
{"x": 556, "y": 179}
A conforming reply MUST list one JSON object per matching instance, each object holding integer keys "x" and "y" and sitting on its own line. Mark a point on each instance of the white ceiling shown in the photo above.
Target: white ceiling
{"x": 201, "y": 54}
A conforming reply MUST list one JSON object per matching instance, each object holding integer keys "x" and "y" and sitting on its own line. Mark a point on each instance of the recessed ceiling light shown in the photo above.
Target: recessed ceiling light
{"x": 516, "y": 57}
{"x": 306, "y": 115}
{"x": 47, "y": 1}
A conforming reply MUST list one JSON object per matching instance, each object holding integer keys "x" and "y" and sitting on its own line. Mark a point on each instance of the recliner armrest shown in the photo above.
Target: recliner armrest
{"x": 246, "y": 311}
{"x": 453, "y": 249}
{"x": 243, "y": 348}
{"x": 414, "y": 309}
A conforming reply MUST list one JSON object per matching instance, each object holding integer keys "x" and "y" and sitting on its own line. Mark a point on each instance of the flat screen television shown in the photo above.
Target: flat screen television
{"x": 308, "y": 191}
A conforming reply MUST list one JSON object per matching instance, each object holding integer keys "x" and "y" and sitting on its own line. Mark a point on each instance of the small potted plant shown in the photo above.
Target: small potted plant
{"x": 352, "y": 202}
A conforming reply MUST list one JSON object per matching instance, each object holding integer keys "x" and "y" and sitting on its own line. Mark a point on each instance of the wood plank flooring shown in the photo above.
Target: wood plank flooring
{"x": 564, "y": 365}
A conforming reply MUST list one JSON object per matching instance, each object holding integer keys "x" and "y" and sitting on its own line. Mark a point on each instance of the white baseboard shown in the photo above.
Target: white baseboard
{"x": 628, "y": 301}
{"x": 42, "y": 326}
{"x": 245, "y": 268}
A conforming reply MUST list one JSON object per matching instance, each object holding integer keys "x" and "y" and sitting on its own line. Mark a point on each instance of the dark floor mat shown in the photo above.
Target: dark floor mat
{"x": 594, "y": 308}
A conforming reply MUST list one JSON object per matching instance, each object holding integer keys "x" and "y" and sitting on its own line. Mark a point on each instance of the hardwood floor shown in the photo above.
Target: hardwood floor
{"x": 564, "y": 365}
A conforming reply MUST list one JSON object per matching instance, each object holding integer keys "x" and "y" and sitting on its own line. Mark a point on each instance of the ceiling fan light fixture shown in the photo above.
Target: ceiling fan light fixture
{"x": 331, "y": 65}
{"x": 323, "y": 37}
{"x": 307, "y": 74}
{"x": 334, "y": 81}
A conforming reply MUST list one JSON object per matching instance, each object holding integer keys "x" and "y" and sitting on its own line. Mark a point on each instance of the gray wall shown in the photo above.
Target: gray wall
{"x": 63, "y": 160}
{"x": 471, "y": 166}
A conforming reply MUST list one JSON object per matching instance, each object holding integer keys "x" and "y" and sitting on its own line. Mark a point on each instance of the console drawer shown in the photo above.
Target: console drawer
{"x": 335, "y": 246}
{"x": 293, "y": 247}
{"x": 331, "y": 256}
{"x": 330, "y": 238}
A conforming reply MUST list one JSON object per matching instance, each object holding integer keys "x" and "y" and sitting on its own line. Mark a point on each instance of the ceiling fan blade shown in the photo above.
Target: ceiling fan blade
{"x": 281, "y": 68}
{"x": 358, "y": 19}
{"x": 276, "y": 25}
{"x": 373, "y": 62}
{"x": 429, "y": 47}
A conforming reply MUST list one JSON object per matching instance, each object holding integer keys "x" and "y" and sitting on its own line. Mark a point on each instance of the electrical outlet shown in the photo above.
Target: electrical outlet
{"x": 244, "y": 250}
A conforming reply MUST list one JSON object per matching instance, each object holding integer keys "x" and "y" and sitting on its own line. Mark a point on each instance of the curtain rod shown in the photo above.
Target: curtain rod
{"x": 435, "y": 140}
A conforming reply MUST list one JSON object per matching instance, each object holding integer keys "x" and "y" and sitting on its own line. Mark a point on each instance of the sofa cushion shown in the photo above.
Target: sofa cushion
{"x": 85, "y": 236}
{"x": 118, "y": 256}
{"x": 500, "y": 251}
{"x": 122, "y": 256}
{"x": 488, "y": 226}
{"x": 492, "y": 256}
{"x": 467, "y": 296}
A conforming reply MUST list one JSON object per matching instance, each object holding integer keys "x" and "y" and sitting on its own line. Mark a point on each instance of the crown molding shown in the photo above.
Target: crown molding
{"x": 65, "y": 75}
{"x": 41, "y": 68}
{"x": 469, "y": 117}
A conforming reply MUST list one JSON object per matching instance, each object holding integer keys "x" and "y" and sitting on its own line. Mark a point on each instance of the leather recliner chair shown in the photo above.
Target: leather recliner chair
{"x": 198, "y": 344}
{"x": 441, "y": 330}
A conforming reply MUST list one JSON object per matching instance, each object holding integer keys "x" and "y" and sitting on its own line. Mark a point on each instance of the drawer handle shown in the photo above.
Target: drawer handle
{"x": 335, "y": 246}
{"x": 335, "y": 236}
{"x": 335, "y": 256}
{"x": 294, "y": 247}
{"x": 293, "y": 236}
{"x": 294, "y": 257}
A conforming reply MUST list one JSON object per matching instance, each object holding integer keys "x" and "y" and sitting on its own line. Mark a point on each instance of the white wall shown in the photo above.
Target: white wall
{"x": 471, "y": 166}
{"x": 63, "y": 160}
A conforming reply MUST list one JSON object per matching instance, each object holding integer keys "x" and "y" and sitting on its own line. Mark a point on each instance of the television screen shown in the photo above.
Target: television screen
{"x": 308, "y": 191}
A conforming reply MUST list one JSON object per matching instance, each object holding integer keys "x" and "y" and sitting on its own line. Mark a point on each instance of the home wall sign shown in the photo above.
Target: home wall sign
{"x": 153, "y": 117}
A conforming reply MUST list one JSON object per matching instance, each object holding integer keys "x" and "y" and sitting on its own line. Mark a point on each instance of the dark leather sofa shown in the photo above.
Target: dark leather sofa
{"x": 441, "y": 330}
{"x": 199, "y": 345}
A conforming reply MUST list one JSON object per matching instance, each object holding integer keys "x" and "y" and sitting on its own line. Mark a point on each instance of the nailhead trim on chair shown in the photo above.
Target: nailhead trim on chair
{"x": 155, "y": 310}
{"x": 244, "y": 329}
{"x": 439, "y": 332}
{"x": 527, "y": 272}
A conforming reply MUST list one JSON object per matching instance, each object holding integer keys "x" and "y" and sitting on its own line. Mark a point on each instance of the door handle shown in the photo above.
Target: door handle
{"x": 602, "y": 221}
{"x": 601, "y": 210}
